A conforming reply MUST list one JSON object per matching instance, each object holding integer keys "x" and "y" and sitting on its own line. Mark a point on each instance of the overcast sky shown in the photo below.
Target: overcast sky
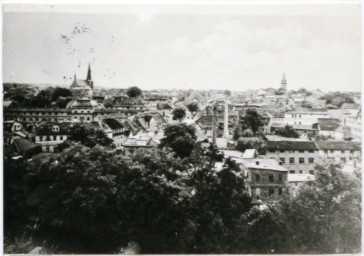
{"x": 236, "y": 47}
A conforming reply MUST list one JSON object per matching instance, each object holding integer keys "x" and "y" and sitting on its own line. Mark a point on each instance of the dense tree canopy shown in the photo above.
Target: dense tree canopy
{"x": 178, "y": 114}
{"x": 134, "y": 92}
{"x": 287, "y": 131}
{"x": 325, "y": 217}
{"x": 60, "y": 92}
{"x": 180, "y": 138}
{"x": 164, "y": 203}
{"x": 88, "y": 135}
{"x": 193, "y": 107}
{"x": 251, "y": 143}
{"x": 252, "y": 120}
{"x": 337, "y": 98}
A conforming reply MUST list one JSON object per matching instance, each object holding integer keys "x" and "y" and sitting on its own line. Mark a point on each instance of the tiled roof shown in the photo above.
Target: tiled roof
{"x": 80, "y": 82}
{"x": 350, "y": 106}
{"x": 338, "y": 145}
{"x": 291, "y": 145}
{"x": 262, "y": 163}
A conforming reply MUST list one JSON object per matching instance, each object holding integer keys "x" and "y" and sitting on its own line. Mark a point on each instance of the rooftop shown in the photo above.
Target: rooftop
{"x": 291, "y": 145}
{"x": 328, "y": 124}
{"x": 338, "y": 145}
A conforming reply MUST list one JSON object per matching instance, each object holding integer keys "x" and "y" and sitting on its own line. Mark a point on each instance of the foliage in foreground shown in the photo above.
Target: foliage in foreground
{"x": 89, "y": 199}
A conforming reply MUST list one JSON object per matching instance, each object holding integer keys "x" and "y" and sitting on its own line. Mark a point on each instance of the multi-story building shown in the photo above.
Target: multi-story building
{"x": 296, "y": 156}
{"x": 304, "y": 117}
{"x": 50, "y": 134}
{"x": 266, "y": 177}
{"x": 353, "y": 125}
{"x": 339, "y": 151}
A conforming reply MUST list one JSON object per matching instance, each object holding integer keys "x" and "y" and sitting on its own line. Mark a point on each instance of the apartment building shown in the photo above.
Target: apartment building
{"x": 296, "y": 156}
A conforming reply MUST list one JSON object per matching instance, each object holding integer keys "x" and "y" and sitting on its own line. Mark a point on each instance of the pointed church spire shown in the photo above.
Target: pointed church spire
{"x": 89, "y": 73}
{"x": 74, "y": 76}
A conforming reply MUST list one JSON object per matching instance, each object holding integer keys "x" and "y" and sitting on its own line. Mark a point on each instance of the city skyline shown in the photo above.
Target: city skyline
{"x": 234, "y": 47}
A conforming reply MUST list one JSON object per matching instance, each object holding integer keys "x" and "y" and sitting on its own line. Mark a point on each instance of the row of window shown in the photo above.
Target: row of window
{"x": 291, "y": 151}
{"x": 301, "y": 172}
{"x": 342, "y": 151}
{"x": 271, "y": 177}
{"x": 301, "y": 160}
{"x": 50, "y": 138}
{"x": 37, "y": 113}
{"x": 271, "y": 191}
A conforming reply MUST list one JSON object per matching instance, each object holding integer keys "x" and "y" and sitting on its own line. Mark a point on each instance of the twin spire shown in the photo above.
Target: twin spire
{"x": 88, "y": 78}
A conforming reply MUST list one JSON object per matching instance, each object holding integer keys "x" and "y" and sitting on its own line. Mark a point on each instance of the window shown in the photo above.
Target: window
{"x": 302, "y": 160}
{"x": 312, "y": 172}
{"x": 343, "y": 159}
{"x": 325, "y": 151}
{"x": 301, "y": 151}
{"x": 282, "y": 160}
{"x": 282, "y": 151}
{"x": 310, "y": 151}
{"x": 311, "y": 160}
{"x": 301, "y": 171}
{"x": 296, "y": 184}
{"x": 257, "y": 177}
{"x": 271, "y": 191}
{"x": 280, "y": 191}
{"x": 257, "y": 193}
{"x": 280, "y": 177}
{"x": 271, "y": 178}
{"x": 331, "y": 151}
{"x": 292, "y": 171}
{"x": 291, "y": 160}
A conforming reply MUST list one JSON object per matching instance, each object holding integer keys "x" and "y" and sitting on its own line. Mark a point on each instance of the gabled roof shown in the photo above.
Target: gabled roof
{"x": 328, "y": 124}
{"x": 291, "y": 145}
{"x": 262, "y": 164}
{"x": 113, "y": 123}
{"x": 338, "y": 145}
{"x": 23, "y": 145}
{"x": 250, "y": 153}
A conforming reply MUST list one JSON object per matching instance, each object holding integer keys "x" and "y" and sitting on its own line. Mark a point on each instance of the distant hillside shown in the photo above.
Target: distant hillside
{"x": 30, "y": 85}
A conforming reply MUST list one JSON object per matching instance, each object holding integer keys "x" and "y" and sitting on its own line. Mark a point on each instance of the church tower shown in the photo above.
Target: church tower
{"x": 89, "y": 79}
{"x": 284, "y": 83}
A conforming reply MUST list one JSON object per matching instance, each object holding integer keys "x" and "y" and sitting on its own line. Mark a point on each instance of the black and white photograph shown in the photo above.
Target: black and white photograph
{"x": 186, "y": 128}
